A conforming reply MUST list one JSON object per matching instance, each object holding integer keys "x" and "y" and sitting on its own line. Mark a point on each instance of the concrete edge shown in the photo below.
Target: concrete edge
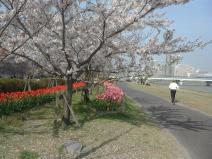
{"x": 180, "y": 146}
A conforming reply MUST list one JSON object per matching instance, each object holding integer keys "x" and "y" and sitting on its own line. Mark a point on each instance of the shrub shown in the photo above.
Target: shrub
{"x": 13, "y": 85}
{"x": 104, "y": 105}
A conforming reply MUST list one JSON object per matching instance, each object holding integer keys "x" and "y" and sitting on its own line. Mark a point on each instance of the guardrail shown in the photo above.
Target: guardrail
{"x": 207, "y": 81}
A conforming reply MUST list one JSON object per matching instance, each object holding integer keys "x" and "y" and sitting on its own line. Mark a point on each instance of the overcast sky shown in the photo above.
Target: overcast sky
{"x": 194, "y": 20}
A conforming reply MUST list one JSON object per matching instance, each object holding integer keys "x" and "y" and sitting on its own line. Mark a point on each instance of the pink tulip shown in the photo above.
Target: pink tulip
{"x": 112, "y": 93}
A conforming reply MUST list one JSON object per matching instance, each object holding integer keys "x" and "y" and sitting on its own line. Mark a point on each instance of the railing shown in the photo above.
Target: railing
{"x": 208, "y": 81}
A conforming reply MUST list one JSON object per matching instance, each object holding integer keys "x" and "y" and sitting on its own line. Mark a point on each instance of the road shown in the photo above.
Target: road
{"x": 192, "y": 129}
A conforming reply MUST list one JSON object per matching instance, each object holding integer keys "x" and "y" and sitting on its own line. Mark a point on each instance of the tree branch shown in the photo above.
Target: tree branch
{"x": 131, "y": 23}
{"x": 47, "y": 57}
{"x": 98, "y": 48}
{"x": 8, "y": 23}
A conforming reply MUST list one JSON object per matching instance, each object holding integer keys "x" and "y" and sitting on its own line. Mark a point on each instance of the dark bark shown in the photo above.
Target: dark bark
{"x": 67, "y": 113}
{"x": 86, "y": 95}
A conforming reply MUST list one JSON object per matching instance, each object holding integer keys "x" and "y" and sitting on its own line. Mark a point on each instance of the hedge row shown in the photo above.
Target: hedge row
{"x": 13, "y": 85}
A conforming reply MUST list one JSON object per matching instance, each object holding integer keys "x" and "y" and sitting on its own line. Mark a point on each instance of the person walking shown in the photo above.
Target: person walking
{"x": 173, "y": 86}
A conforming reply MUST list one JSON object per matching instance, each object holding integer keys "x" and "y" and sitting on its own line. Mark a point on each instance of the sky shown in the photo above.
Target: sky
{"x": 194, "y": 20}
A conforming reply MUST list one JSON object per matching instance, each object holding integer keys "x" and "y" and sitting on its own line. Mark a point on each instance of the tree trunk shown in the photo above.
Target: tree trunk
{"x": 86, "y": 96}
{"x": 69, "y": 93}
{"x": 97, "y": 90}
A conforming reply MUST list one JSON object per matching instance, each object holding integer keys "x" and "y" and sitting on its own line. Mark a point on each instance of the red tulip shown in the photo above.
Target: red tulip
{"x": 20, "y": 95}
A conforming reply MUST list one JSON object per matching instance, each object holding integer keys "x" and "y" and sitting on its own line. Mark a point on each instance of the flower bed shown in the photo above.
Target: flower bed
{"x": 110, "y": 100}
{"x": 78, "y": 85}
{"x": 17, "y": 101}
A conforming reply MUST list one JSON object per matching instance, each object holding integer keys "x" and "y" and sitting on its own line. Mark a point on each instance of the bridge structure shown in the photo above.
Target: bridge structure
{"x": 207, "y": 80}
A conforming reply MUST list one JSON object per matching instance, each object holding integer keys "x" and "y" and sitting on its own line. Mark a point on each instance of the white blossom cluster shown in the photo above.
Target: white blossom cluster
{"x": 64, "y": 37}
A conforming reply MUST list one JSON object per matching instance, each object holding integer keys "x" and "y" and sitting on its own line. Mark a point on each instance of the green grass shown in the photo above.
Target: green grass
{"x": 28, "y": 155}
{"x": 197, "y": 100}
{"x": 121, "y": 135}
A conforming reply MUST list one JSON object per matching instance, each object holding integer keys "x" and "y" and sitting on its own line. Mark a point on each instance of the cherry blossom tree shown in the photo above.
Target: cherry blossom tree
{"x": 65, "y": 37}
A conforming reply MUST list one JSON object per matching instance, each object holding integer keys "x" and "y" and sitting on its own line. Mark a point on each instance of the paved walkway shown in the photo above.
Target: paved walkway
{"x": 191, "y": 128}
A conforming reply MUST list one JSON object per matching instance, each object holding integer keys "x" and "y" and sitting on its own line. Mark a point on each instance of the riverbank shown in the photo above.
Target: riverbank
{"x": 116, "y": 136}
{"x": 191, "y": 128}
{"x": 200, "y": 101}
{"x": 189, "y": 85}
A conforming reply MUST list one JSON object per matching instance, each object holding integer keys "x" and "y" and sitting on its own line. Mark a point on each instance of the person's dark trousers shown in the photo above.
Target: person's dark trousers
{"x": 173, "y": 92}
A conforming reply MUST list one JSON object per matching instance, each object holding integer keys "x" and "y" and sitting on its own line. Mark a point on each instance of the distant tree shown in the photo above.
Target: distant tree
{"x": 12, "y": 69}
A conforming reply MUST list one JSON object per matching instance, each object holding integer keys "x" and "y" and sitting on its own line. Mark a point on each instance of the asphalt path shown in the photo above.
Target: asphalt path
{"x": 191, "y": 128}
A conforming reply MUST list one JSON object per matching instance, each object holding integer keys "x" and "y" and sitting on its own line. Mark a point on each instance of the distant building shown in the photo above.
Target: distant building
{"x": 188, "y": 71}
{"x": 183, "y": 70}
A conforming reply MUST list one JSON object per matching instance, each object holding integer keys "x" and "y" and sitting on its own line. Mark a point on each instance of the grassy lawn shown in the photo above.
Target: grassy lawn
{"x": 198, "y": 100}
{"x": 129, "y": 135}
